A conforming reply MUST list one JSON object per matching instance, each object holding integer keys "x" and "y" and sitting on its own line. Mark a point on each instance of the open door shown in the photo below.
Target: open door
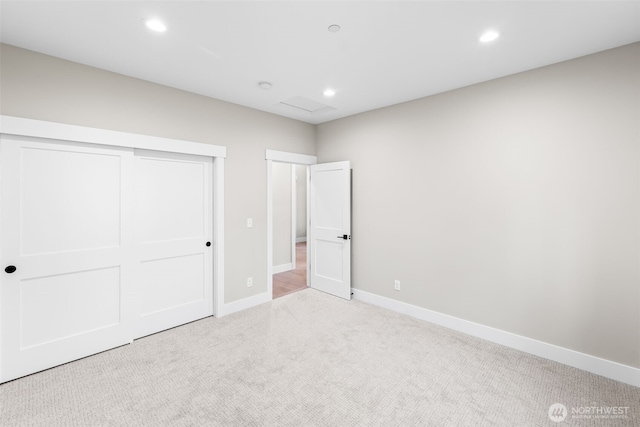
{"x": 330, "y": 228}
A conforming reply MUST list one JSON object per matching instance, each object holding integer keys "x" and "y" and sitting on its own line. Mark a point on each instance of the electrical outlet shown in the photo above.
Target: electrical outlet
{"x": 249, "y": 282}
{"x": 249, "y": 222}
{"x": 396, "y": 285}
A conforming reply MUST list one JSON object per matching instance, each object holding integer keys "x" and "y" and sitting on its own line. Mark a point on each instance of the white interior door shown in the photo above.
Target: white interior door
{"x": 330, "y": 228}
{"x": 173, "y": 226}
{"x": 64, "y": 230}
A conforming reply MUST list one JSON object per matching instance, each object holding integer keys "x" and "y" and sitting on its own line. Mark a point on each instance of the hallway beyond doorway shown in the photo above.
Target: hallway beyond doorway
{"x": 292, "y": 280}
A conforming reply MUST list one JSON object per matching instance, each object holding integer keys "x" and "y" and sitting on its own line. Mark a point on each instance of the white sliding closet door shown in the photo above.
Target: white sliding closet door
{"x": 100, "y": 245}
{"x": 173, "y": 235}
{"x": 65, "y": 209}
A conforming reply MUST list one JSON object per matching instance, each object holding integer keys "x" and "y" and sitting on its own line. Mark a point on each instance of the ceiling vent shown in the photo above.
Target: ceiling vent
{"x": 308, "y": 105}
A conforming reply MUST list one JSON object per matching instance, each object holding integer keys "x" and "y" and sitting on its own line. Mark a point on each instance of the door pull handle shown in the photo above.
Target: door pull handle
{"x": 344, "y": 237}
{"x": 10, "y": 269}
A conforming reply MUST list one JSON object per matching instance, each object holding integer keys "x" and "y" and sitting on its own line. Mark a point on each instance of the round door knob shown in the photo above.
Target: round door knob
{"x": 208, "y": 244}
{"x": 10, "y": 269}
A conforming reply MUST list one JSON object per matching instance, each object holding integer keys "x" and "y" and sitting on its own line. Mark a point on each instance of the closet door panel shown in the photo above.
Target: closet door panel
{"x": 64, "y": 221}
{"x": 173, "y": 223}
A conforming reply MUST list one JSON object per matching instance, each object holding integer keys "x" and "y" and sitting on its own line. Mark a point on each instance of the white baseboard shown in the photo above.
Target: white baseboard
{"x": 281, "y": 268}
{"x": 244, "y": 304}
{"x": 606, "y": 368}
{"x": 301, "y": 239}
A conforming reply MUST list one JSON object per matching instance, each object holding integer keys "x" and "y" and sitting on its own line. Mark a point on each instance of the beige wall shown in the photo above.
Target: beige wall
{"x": 282, "y": 213}
{"x": 513, "y": 203}
{"x": 45, "y": 88}
{"x": 301, "y": 201}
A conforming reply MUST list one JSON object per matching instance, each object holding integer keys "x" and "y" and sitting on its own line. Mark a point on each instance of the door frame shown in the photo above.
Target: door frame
{"x": 293, "y": 159}
{"x": 59, "y": 131}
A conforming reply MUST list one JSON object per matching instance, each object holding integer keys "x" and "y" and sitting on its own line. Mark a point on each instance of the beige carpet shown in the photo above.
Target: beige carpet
{"x": 309, "y": 359}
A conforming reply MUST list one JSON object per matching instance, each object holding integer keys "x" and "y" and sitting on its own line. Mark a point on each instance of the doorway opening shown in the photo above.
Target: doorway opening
{"x": 289, "y": 246}
{"x": 328, "y": 223}
{"x": 291, "y": 281}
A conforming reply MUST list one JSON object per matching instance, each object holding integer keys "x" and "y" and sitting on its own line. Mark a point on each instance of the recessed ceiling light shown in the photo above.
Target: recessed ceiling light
{"x": 489, "y": 36}
{"x": 265, "y": 85}
{"x": 329, "y": 93}
{"x": 155, "y": 25}
{"x": 334, "y": 28}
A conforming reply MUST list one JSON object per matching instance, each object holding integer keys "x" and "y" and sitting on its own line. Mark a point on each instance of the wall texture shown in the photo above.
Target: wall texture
{"x": 282, "y": 214}
{"x": 513, "y": 203}
{"x": 42, "y": 87}
{"x": 301, "y": 201}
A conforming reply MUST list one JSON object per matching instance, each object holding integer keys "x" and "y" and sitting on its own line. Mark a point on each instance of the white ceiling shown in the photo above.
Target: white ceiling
{"x": 387, "y": 51}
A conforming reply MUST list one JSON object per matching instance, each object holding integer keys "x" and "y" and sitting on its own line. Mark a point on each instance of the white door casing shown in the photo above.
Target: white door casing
{"x": 330, "y": 223}
{"x": 284, "y": 157}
